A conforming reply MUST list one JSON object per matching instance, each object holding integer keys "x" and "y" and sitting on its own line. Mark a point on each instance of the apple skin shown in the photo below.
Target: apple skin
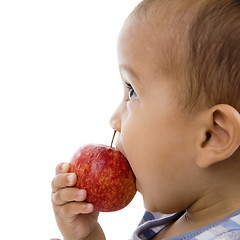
{"x": 106, "y": 176}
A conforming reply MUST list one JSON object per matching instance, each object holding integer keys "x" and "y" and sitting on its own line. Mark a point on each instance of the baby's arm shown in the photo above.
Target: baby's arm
{"x": 76, "y": 219}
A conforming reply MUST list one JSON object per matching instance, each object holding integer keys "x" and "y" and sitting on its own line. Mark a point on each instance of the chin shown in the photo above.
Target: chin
{"x": 150, "y": 209}
{"x": 149, "y": 206}
{"x": 161, "y": 208}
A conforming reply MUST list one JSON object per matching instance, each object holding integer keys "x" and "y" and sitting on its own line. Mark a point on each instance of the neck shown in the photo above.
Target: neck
{"x": 213, "y": 207}
{"x": 210, "y": 208}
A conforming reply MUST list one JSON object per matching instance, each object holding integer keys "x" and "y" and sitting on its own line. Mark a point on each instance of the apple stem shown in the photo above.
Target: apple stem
{"x": 113, "y": 137}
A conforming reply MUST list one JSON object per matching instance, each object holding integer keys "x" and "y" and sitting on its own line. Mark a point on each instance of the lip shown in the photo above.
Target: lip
{"x": 138, "y": 186}
{"x": 120, "y": 148}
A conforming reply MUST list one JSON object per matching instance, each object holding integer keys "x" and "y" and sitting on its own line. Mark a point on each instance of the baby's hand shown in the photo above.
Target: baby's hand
{"x": 76, "y": 219}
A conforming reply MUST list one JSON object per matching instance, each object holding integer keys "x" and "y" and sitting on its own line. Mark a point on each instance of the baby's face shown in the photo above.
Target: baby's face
{"x": 157, "y": 138}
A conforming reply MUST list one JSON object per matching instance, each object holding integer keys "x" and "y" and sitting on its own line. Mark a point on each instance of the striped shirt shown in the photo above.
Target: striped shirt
{"x": 226, "y": 229}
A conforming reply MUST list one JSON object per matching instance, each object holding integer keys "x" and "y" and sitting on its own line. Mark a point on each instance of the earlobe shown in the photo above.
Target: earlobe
{"x": 221, "y": 137}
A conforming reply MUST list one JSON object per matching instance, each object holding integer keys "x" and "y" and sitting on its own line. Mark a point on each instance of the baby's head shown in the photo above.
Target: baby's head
{"x": 198, "y": 48}
{"x": 179, "y": 119}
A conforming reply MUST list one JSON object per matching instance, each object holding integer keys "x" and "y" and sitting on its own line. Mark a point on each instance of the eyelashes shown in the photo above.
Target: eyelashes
{"x": 131, "y": 92}
{"x": 128, "y": 85}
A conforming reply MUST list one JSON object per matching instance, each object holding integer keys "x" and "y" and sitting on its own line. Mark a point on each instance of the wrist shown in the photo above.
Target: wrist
{"x": 97, "y": 234}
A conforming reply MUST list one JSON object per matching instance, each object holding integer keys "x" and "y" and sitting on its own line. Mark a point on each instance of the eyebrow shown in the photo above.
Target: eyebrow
{"x": 129, "y": 70}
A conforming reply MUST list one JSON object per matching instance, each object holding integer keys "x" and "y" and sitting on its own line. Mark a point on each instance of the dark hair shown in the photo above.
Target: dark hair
{"x": 212, "y": 49}
{"x": 214, "y": 53}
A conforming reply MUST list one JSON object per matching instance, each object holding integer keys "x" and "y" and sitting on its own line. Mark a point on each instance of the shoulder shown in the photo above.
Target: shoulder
{"x": 225, "y": 229}
{"x": 152, "y": 223}
{"x": 232, "y": 235}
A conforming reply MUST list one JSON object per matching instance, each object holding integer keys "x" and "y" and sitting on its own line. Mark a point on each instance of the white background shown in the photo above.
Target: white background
{"x": 59, "y": 85}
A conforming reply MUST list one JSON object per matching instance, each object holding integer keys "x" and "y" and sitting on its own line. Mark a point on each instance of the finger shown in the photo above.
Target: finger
{"x": 66, "y": 195}
{"x": 62, "y": 168}
{"x": 63, "y": 180}
{"x": 74, "y": 208}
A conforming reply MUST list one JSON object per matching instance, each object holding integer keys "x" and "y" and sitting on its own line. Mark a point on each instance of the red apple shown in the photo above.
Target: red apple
{"x": 106, "y": 176}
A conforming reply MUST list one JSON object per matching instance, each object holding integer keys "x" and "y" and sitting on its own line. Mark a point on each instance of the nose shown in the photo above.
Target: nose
{"x": 115, "y": 120}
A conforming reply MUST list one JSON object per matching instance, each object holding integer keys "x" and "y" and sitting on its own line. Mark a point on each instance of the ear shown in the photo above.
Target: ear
{"x": 221, "y": 135}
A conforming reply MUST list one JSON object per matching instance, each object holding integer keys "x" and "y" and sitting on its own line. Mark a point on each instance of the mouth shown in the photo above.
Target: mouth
{"x": 120, "y": 149}
{"x": 138, "y": 186}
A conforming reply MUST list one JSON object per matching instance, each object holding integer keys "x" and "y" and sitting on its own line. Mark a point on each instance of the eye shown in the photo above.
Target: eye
{"x": 131, "y": 92}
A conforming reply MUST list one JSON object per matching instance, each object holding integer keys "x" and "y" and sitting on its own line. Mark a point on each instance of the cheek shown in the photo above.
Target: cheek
{"x": 140, "y": 142}
{"x": 143, "y": 137}
{"x": 158, "y": 149}
{"x": 161, "y": 153}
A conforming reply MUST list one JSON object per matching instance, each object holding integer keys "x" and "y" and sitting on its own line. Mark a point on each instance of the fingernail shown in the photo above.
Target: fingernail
{"x": 88, "y": 207}
{"x": 81, "y": 193}
{"x": 70, "y": 177}
{"x": 65, "y": 167}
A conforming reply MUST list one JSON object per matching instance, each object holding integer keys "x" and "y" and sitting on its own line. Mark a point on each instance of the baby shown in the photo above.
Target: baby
{"x": 178, "y": 124}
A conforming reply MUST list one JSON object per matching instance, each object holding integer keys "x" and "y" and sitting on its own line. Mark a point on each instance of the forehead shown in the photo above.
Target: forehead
{"x": 162, "y": 18}
{"x": 139, "y": 41}
{"x": 157, "y": 33}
